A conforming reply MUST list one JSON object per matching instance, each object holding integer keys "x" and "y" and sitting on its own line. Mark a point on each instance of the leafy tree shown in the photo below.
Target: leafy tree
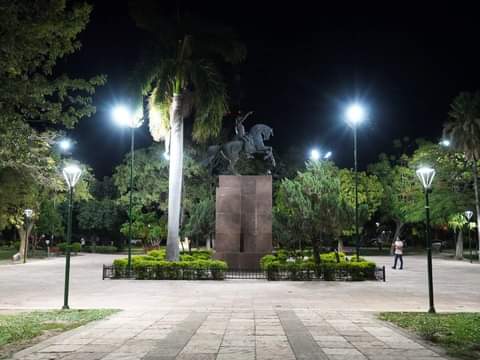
{"x": 50, "y": 220}
{"x": 150, "y": 178}
{"x": 34, "y": 36}
{"x": 403, "y": 200}
{"x": 311, "y": 203}
{"x": 370, "y": 193}
{"x": 201, "y": 220}
{"x": 400, "y": 190}
{"x": 180, "y": 74}
{"x": 147, "y": 227}
{"x": 463, "y": 130}
{"x": 98, "y": 216}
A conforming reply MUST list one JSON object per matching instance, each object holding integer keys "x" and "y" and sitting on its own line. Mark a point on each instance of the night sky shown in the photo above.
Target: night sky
{"x": 304, "y": 64}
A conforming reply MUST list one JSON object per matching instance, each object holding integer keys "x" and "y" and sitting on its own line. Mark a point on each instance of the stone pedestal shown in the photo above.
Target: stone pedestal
{"x": 243, "y": 229}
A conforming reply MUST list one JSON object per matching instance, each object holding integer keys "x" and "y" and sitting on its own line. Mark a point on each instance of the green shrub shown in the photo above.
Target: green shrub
{"x": 276, "y": 267}
{"x": 74, "y": 247}
{"x": 198, "y": 254}
{"x": 100, "y": 249}
{"x": 160, "y": 254}
{"x": 153, "y": 268}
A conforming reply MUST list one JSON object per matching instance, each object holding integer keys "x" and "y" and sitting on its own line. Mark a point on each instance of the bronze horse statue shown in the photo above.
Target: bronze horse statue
{"x": 249, "y": 143}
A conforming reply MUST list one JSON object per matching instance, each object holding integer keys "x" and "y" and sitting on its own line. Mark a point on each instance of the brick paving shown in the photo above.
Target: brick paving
{"x": 234, "y": 334}
{"x": 236, "y": 319}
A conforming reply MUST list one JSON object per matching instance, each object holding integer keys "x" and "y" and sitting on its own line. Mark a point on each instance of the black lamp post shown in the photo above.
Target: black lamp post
{"x": 27, "y": 213}
{"x": 71, "y": 174}
{"x": 426, "y": 175}
{"x": 355, "y": 115}
{"x": 468, "y": 215}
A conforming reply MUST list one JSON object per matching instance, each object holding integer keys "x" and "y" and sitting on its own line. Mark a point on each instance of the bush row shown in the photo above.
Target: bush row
{"x": 74, "y": 247}
{"x": 101, "y": 249}
{"x": 280, "y": 268}
{"x": 192, "y": 266}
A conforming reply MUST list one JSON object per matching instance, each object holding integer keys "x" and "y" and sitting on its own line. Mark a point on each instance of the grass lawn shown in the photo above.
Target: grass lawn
{"x": 6, "y": 253}
{"x": 18, "y": 330}
{"x": 458, "y": 333}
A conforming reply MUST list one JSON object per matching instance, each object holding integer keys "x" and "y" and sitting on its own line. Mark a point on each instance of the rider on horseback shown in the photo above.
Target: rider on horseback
{"x": 242, "y": 135}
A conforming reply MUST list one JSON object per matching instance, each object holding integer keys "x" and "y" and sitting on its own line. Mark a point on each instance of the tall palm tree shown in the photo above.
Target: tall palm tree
{"x": 463, "y": 130}
{"x": 179, "y": 73}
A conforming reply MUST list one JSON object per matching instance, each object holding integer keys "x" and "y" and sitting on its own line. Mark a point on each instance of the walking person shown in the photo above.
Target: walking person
{"x": 397, "y": 250}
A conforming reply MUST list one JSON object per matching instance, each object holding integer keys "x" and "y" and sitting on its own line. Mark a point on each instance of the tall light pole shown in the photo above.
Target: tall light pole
{"x": 355, "y": 115}
{"x": 468, "y": 215}
{"x": 72, "y": 174}
{"x": 27, "y": 213}
{"x": 124, "y": 117}
{"x": 425, "y": 175}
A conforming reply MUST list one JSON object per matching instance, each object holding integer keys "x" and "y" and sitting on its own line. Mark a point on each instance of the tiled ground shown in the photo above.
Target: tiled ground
{"x": 229, "y": 334}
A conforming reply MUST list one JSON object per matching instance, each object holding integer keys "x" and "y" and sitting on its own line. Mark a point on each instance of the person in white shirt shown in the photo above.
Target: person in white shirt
{"x": 397, "y": 250}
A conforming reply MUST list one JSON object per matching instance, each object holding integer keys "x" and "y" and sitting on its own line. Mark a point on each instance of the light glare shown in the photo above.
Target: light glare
{"x": 328, "y": 155}
{"x": 315, "y": 155}
{"x": 355, "y": 114}
{"x": 445, "y": 142}
{"x": 65, "y": 144}
{"x": 124, "y": 117}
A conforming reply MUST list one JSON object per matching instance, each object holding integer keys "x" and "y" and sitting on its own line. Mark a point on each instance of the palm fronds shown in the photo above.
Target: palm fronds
{"x": 463, "y": 125}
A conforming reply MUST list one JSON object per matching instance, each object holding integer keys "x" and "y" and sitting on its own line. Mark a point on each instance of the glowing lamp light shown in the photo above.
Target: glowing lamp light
{"x": 124, "y": 117}
{"x": 328, "y": 155}
{"x": 468, "y": 214}
{"x": 315, "y": 155}
{"x": 445, "y": 142}
{"x": 72, "y": 174}
{"x": 65, "y": 144}
{"x": 355, "y": 114}
{"x": 426, "y": 174}
{"x": 28, "y": 213}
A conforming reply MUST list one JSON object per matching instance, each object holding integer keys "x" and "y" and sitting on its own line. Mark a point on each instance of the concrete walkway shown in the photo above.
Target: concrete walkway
{"x": 40, "y": 284}
{"x": 209, "y": 334}
{"x": 237, "y": 319}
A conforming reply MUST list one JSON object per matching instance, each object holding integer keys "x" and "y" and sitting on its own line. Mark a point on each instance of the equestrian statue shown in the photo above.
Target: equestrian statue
{"x": 249, "y": 143}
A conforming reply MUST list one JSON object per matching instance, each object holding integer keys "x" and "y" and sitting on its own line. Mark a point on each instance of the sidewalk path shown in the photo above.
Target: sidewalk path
{"x": 226, "y": 334}
{"x": 39, "y": 285}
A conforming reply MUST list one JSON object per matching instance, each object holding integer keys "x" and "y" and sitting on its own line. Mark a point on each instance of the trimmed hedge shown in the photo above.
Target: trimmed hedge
{"x": 278, "y": 267}
{"x": 197, "y": 265}
{"x": 101, "y": 249}
{"x": 74, "y": 247}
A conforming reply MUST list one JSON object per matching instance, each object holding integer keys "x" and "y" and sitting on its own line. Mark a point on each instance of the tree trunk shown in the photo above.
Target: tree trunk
{"x": 340, "y": 245}
{"x": 175, "y": 178}
{"x": 24, "y": 239}
{"x": 398, "y": 229}
{"x": 459, "y": 246}
{"x": 477, "y": 205}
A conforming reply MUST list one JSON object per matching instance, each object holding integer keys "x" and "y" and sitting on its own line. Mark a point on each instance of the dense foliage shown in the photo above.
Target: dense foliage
{"x": 281, "y": 266}
{"x": 196, "y": 265}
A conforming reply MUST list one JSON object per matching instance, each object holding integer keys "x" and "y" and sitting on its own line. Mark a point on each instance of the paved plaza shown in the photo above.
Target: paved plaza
{"x": 236, "y": 319}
